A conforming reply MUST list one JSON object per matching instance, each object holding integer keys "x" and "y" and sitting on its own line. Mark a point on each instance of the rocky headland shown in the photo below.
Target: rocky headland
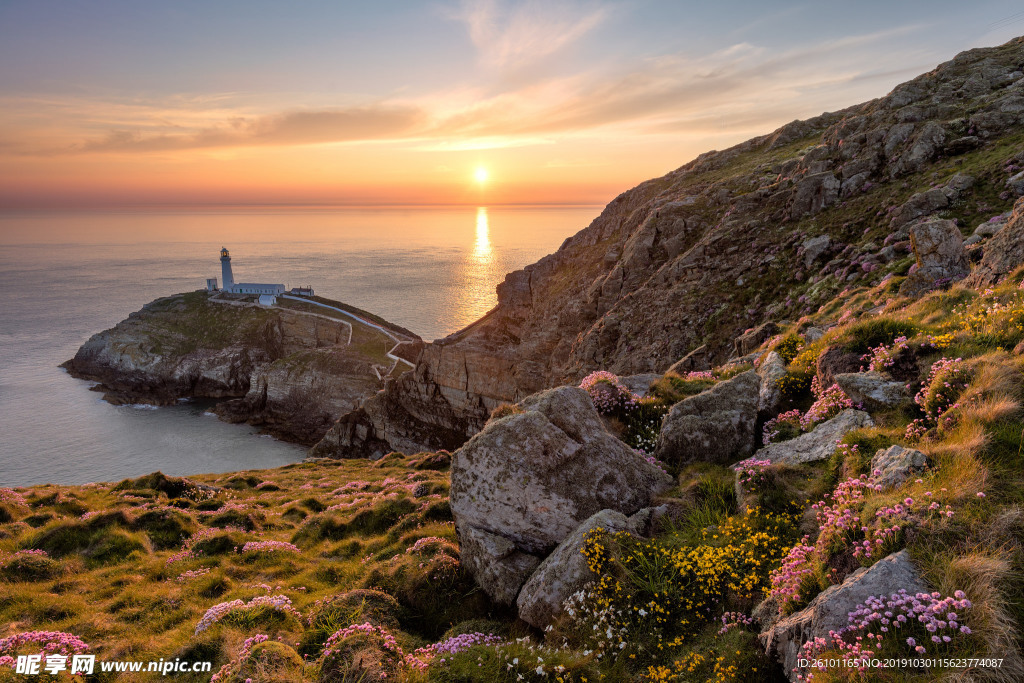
{"x": 292, "y": 369}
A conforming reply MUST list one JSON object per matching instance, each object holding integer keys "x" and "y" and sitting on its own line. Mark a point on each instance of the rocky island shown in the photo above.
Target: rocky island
{"x": 763, "y": 415}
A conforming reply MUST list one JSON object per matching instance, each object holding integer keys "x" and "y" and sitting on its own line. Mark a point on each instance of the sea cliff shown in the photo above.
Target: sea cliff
{"x": 292, "y": 369}
{"x": 679, "y": 267}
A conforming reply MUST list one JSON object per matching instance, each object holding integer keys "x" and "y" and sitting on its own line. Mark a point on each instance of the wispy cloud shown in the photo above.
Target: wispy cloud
{"x": 292, "y": 128}
{"x": 510, "y": 36}
{"x": 742, "y": 88}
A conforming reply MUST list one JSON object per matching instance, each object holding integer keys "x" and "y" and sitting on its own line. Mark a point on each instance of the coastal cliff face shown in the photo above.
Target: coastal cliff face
{"x": 769, "y": 230}
{"x": 291, "y": 373}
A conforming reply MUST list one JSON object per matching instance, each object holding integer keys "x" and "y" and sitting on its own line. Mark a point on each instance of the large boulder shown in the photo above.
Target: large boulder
{"x": 829, "y": 611}
{"x": 814, "y": 248}
{"x": 873, "y": 390}
{"x": 771, "y": 370}
{"x": 525, "y": 482}
{"x": 717, "y": 425}
{"x": 939, "y": 249}
{"x": 895, "y": 464}
{"x": 564, "y": 572}
{"x": 817, "y": 444}
{"x": 1003, "y": 253}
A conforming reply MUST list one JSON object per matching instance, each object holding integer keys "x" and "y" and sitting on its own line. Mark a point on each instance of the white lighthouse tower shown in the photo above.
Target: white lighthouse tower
{"x": 226, "y": 277}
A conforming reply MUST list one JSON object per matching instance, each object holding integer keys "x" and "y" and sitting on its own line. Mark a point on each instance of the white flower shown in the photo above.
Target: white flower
{"x": 642, "y": 612}
{"x": 540, "y": 670}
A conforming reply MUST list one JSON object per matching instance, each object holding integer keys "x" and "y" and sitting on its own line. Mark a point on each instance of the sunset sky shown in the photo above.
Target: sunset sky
{"x": 138, "y": 102}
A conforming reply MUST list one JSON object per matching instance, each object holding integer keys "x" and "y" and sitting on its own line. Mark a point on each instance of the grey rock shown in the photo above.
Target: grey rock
{"x": 772, "y": 369}
{"x": 564, "y": 572}
{"x": 872, "y": 389}
{"x": 973, "y": 239}
{"x": 939, "y": 248}
{"x": 1016, "y": 183}
{"x": 813, "y": 334}
{"x": 717, "y": 425}
{"x": 989, "y": 228}
{"x": 895, "y": 465}
{"x": 815, "y": 248}
{"x": 920, "y": 204}
{"x": 819, "y": 443}
{"x": 1003, "y": 253}
{"x": 958, "y": 184}
{"x": 751, "y": 339}
{"x": 814, "y": 193}
{"x": 531, "y": 478}
{"x": 639, "y": 384}
{"x": 495, "y": 563}
{"x": 830, "y": 609}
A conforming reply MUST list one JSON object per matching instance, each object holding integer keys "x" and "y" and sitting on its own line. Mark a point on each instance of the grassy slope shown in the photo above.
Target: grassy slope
{"x": 108, "y": 579}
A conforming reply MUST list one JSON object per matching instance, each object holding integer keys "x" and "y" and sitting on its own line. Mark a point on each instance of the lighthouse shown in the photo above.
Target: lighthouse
{"x": 226, "y": 277}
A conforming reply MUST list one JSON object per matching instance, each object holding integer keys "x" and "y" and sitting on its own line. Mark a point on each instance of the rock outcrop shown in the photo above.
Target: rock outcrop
{"x": 769, "y": 396}
{"x": 1003, "y": 253}
{"x": 817, "y": 444}
{"x": 873, "y": 390}
{"x": 527, "y": 481}
{"x": 896, "y": 464}
{"x": 716, "y": 425}
{"x": 291, "y": 373}
{"x": 828, "y": 612}
{"x": 939, "y": 249}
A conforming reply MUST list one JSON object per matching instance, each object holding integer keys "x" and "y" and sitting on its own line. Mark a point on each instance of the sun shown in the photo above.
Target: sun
{"x": 481, "y": 175}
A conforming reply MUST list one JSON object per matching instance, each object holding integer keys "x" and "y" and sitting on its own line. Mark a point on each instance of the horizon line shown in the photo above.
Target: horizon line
{"x": 292, "y": 205}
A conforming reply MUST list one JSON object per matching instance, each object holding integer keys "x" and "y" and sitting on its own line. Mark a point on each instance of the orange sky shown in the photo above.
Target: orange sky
{"x": 126, "y": 103}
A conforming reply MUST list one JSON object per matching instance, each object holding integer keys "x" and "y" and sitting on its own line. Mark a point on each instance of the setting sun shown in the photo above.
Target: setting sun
{"x": 480, "y": 174}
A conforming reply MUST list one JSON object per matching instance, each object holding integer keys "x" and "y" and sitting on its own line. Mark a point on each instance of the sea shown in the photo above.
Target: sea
{"x": 65, "y": 275}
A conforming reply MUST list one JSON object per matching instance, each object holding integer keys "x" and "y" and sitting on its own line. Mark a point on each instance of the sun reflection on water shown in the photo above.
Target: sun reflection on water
{"x": 479, "y": 275}
{"x": 482, "y": 248}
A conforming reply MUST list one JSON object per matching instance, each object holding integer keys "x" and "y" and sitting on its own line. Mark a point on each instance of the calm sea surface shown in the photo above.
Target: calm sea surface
{"x": 65, "y": 276}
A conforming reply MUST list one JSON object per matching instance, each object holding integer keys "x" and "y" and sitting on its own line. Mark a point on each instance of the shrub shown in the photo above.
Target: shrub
{"x": 504, "y": 410}
{"x": 672, "y": 388}
{"x": 946, "y": 381}
{"x": 794, "y": 384}
{"x": 172, "y": 487}
{"x": 789, "y": 346}
{"x": 895, "y": 626}
{"x": 647, "y": 595}
{"x": 862, "y": 336}
{"x": 262, "y": 660}
{"x": 165, "y": 528}
{"x": 610, "y": 396}
{"x": 263, "y": 610}
{"x": 29, "y": 565}
{"x": 335, "y": 613}
{"x": 643, "y": 425}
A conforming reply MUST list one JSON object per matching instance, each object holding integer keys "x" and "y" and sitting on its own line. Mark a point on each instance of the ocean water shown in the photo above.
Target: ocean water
{"x": 65, "y": 276}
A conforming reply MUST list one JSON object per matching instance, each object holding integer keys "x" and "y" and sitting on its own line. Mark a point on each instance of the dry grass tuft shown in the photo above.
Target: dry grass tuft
{"x": 987, "y": 576}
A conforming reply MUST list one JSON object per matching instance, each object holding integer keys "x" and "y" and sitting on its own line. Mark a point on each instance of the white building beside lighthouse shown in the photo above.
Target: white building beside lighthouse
{"x": 232, "y": 287}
